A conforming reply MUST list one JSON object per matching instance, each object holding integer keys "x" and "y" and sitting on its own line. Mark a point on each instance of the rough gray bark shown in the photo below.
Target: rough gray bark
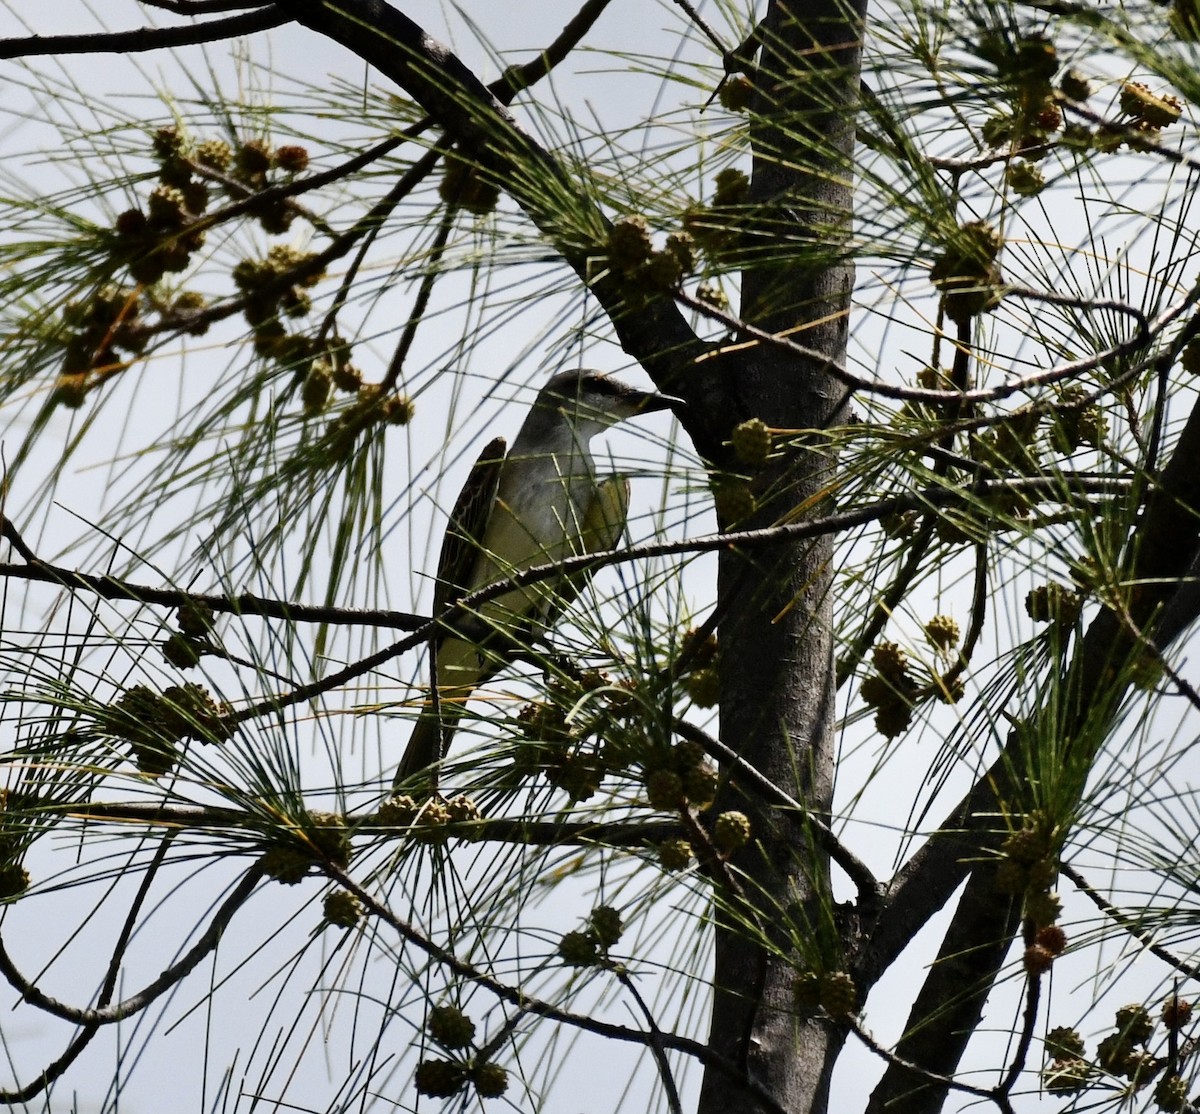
{"x": 777, "y": 680}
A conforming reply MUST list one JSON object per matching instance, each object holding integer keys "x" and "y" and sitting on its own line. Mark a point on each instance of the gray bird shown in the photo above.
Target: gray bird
{"x": 536, "y": 505}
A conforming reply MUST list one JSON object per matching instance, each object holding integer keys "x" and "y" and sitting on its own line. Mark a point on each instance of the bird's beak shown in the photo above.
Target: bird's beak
{"x": 649, "y": 401}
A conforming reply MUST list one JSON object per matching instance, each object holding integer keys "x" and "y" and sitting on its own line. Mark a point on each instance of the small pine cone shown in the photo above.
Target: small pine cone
{"x": 682, "y": 246}
{"x": 14, "y": 880}
{"x": 276, "y": 218}
{"x": 398, "y": 410}
{"x": 699, "y": 649}
{"x": 675, "y": 854}
{"x": 1027, "y": 844}
{"x": 687, "y": 753}
{"x": 578, "y": 949}
{"x": 294, "y": 302}
{"x": 893, "y": 719}
{"x": 1150, "y": 110}
{"x": 942, "y": 632}
{"x": 736, "y": 91}
{"x": 876, "y": 692}
{"x": 839, "y": 996}
{"x": 329, "y": 838}
{"x": 1037, "y": 960}
{"x": 1064, "y": 1043}
{"x": 342, "y": 908}
{"x": 951, "y": 529}
{"x": 1065, "y": 1076}
{"x": 181, "y": 652}
{"x": 463, "y": 809}
{"x": 490, "y": 1080}
{"x": 664, "y": 790}
{"x": 1141, "y": 1067}
{"x": 292, "y": 158}
{"x": 1189, "y": 359}
{"x": 194, "y": 619}
{"x": 346, "y": 377}
{"x": 733, "y": 499}
{"x": 1011, "y": 877}
{"x": 1171, "y": 1094}
{"x": 900, "y": 525}
{"x": 629, "y": 243}
{"x": 703, "y": 687}
{"x": 154, "y": 757}
{"x": 195, "y": 195}
{"x": 1113, "y": 1052}
{"x": 131, "y": 224}
{"x": 700, "y": 785}
{"x": 731, "y": 831}
{"x": 751, "y": 442}
{"x": 450, "y": 1027}
{"x": 254, "y": 159}
{"x": 440, "y": 1079}
{"x": 464, "y": 186}
{"x": 662, "y": 271}
{"x": 168, "y": 207}
{"x": 433, "y": 818}
{"x": 733, "y": 187}
{"x": 578, "y": 775}
{"x": 606, "y": 925}
{"x": 168, "y": 143}
{"x": 318, "y": 386}
{"x": 285, "y": 864}
{"x": 1043, "y": 873}
{"x": 806, "y": 990}
{"x": 216, "y": 154}
{"x": 1134, "y": 1023}
{"x": 1049, "y": 118}
{"x": 1024, "y": 179}
{"x": 1043, "y": 908}
{"x": 398, "y": 811}
{"x": 1053, "y": 603}
{"x": 1075, "y": 86}
{"x": 1052, "y": 938}
{"x": 890, "y": 660}
{"x": 1176, "y": 1013}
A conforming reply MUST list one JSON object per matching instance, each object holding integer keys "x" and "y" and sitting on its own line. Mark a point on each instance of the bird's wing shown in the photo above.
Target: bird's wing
{"x": 468, "y": 522}
{"x": 604, "y": 522}
{"x": 600, "y": 527}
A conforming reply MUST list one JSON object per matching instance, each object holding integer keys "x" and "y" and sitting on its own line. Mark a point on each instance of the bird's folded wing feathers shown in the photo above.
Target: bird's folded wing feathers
{"x": 601, "y": 528}
{"x": 465, "y": 531}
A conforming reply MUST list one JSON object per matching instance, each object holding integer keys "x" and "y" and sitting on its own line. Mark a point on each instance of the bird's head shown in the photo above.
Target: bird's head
{"x": 594, "y": 397}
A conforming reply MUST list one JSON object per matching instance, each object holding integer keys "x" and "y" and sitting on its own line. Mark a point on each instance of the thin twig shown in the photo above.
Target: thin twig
{"x": 169, "y": 978}
{"x": 656, "y": 1043}
{"x": 1143, "y": 935}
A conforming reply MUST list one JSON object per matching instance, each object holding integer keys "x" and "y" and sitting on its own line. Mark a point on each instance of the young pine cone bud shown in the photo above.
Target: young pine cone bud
{"x": 450, "y": 1027}
{"x": 1176, "y": 1013}
{"x": 490, "y": 1080}
{"x": 342, "y": 909}
{"x": 606, "y": 925}
{"x": 440, "y": 1079}
{"x": 751, "y": 442}
{"x": 731, "y": 831}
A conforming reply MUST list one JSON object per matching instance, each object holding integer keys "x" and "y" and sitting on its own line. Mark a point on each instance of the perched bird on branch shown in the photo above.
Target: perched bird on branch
{"x": 538, "y": 504}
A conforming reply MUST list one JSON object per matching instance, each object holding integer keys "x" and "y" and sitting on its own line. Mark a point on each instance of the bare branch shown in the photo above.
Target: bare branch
{"x": 169, "y": 978}
{"x": 146, "y": 38}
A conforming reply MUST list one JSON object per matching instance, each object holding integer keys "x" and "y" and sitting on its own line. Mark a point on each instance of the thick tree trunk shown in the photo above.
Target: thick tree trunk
{"x": 777, "y": 680}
